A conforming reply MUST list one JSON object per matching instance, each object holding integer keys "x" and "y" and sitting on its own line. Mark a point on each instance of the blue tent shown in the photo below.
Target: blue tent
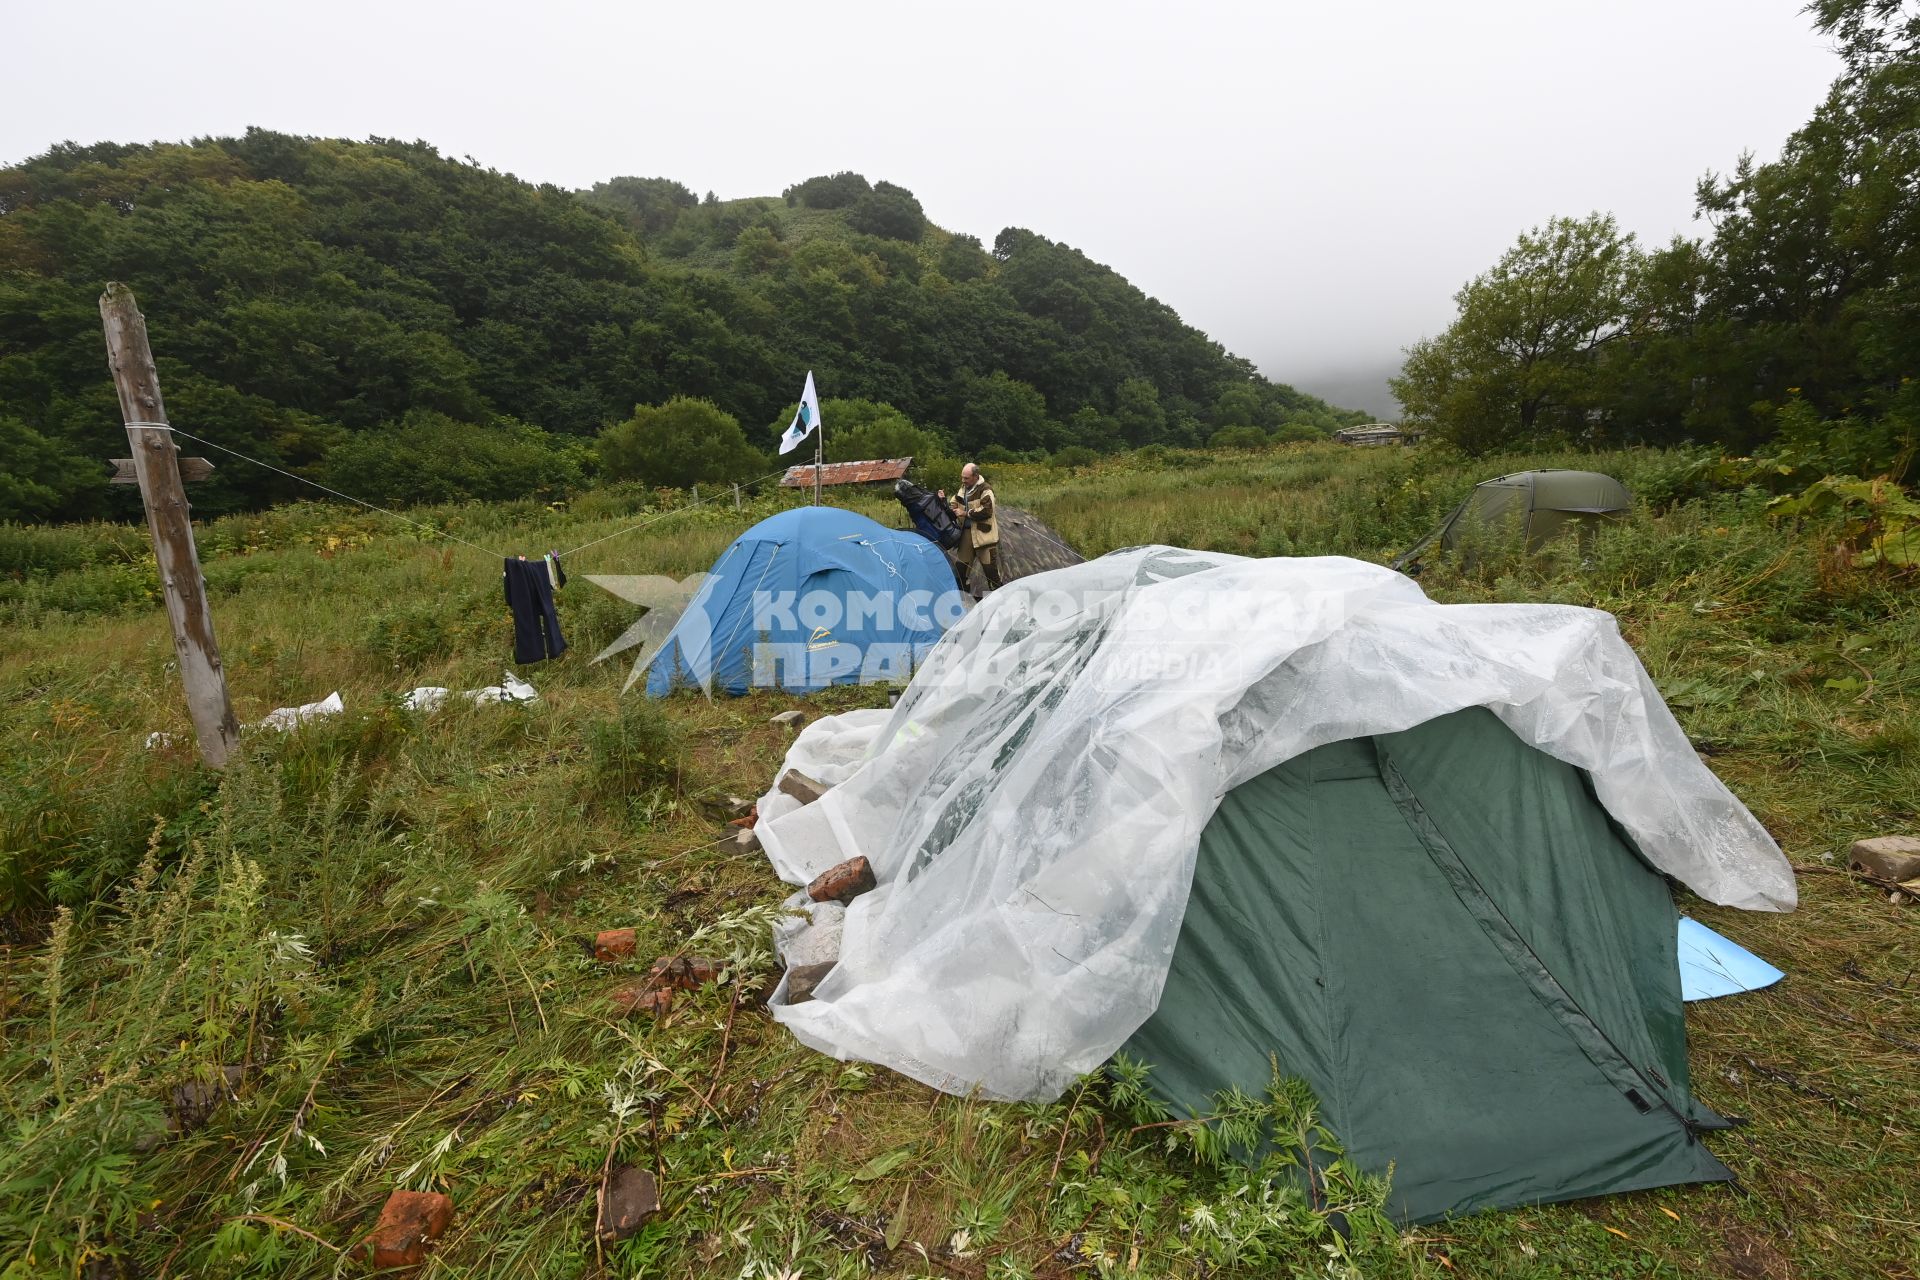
{"x": 809, "y": 598}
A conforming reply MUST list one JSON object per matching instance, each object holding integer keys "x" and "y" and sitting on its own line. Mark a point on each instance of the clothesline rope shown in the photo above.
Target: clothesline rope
{"x": 697, "y": 502}
{"x": 438, "y": 532}
{"x": 373, "y": 506}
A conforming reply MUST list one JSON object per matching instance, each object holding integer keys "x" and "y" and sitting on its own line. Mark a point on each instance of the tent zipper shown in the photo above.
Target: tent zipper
{"x": 1620, "y": 1070}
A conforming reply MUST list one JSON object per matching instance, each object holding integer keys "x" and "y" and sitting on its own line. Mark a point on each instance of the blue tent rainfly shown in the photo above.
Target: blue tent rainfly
{"x": 811, "y": 597}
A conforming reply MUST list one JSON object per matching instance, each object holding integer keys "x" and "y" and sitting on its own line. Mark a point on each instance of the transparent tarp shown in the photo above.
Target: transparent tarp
{"x": 1033, "y": 805}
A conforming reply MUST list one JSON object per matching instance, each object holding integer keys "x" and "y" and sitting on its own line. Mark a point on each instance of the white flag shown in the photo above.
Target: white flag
{"x": 806, "y": 420}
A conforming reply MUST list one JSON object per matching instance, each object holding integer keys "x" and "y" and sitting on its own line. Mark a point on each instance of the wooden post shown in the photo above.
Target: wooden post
{"x": 156, "y": 466}
{"x": 736, "y": 497}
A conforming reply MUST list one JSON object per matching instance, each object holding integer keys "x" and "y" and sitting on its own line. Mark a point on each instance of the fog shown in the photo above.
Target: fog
{"x": 1308, "y": 186}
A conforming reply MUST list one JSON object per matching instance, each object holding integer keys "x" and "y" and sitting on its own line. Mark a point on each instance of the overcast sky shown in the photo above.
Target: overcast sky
{"x": 1308, "y": 182}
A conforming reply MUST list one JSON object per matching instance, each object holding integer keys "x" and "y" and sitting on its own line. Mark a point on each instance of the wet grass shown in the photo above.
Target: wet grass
{"x": 379, "y": 916}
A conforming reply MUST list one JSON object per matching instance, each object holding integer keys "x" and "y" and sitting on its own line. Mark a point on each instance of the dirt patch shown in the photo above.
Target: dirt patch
{"x": 1747, "y": 1254}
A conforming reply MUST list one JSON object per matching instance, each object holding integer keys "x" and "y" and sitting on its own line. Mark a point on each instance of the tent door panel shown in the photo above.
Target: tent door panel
{"x": 1444, "y": 1065}
{"x": 1635, "y": 1085}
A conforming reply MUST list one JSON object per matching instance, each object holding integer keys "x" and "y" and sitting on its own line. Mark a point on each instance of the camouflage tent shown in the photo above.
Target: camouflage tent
{"x": 1538, "y": 504}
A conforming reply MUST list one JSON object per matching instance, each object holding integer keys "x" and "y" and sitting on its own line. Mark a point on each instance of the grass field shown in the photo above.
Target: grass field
{"x": 378, "y": 917}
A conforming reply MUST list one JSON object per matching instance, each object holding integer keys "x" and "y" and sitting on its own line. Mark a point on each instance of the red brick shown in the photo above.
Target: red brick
{"x": 613, "y": 944}
{"x": 842, "y": 883}
{"x": 410, "y": 1222}
{"x": 684, "y": 972}
{"x": 642, "y": 997}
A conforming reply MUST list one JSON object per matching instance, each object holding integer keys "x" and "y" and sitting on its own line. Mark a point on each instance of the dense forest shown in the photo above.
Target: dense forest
{"x": 1790, "y": 327}
{"x": 375, "y": 312}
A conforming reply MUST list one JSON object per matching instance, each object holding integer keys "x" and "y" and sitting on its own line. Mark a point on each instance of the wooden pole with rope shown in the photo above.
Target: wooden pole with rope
{"x": 156, "y": 468}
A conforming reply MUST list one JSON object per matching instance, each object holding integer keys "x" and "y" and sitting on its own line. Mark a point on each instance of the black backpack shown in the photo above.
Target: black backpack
{"x": 931, "y": 518}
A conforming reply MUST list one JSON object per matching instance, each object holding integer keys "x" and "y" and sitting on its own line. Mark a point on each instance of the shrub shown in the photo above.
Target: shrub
{"x": 430, "y": 457}
{"x": 1238, "y": 438}
{"x": 680, "y": 443}
{"x": 635, "y": 753}
{"x": 1298, "y": 433}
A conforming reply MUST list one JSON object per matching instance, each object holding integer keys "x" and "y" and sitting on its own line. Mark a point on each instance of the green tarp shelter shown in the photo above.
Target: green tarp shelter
{"x": 1540, "y": 504}
{"x": 1442, "y": 931}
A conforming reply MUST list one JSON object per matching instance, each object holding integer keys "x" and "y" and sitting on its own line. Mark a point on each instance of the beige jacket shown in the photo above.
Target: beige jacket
{"x": 983, "y": 525}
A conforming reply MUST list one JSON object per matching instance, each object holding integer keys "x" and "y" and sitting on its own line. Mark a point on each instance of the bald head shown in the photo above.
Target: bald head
{"x": 969, "y": 474}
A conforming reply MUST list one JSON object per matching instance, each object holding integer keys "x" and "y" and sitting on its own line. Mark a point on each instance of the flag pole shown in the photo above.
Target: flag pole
{"x": 819, "y": 457}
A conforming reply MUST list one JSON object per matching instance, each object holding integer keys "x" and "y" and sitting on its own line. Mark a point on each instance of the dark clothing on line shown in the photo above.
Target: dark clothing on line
{"x": 536, "y": 627}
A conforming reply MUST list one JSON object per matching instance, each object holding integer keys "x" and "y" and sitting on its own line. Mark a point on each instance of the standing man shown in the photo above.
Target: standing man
{"x": 979, "y": 534}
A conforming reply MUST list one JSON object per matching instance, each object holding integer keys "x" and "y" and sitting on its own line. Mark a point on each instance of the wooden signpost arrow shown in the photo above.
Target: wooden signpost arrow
{"x": 157, "y": 469}
{"x": 191, "y": 469}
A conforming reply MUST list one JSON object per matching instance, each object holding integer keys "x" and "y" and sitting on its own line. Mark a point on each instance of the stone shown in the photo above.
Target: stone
{"x": 613, "y": 944}
{"x": 1893, "y": 858}
{"x": 729, "y": 807}
{"x": 791, "y": 719}
{"x": 628, "y": 1197}
{"x": 410, "y": 1222}
{"x": 803, "y": 978}
{"x": 842, "y": 883}
{"x": 743, "y": 841}
{"x": 801, "y": 787}
{"x": 194, "y": 1102}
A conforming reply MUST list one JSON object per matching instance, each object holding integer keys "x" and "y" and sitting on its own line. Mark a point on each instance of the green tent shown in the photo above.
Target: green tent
{"x": 1541, "y": 503}
{"x": 1445, "y": 935}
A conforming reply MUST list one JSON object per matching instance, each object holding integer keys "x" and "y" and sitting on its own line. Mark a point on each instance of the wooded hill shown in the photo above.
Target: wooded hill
{"x": 304, "y": 292}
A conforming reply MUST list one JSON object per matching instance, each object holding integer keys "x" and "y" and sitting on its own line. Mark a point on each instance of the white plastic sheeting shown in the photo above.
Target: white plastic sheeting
{"x": 1033, "y": 805}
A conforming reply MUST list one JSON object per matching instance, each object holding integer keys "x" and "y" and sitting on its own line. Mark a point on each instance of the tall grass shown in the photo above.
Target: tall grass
{"x": 364, "y": 939}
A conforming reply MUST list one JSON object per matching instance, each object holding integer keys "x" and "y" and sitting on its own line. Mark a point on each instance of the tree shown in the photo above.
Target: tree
{"x": 862, "y": 429}
{"x": 962, "y": 258}
{"x": 650, "y": 205}
{"x": 39, "y": 480}
{"x": 679, "y": 444}
{"x": 1238, "y": 406}
{"x": 996, "y": 409}
{"x": 828, "y": 191}
{"x": 1523, "y": 357}
{"x": 1138, "y": 413}
{"x": 1298, "y": 433}
{"x": 888, "y": 211}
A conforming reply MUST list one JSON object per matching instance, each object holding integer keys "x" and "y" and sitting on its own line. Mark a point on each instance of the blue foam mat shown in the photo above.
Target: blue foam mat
{"x": 1711, "y": 966}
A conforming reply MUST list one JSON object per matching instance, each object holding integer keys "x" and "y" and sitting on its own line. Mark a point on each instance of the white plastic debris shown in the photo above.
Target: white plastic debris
{"x": 511, "y": 689}
{"x": 427, "y": 697}
{"x": 159, "y": 738}
{"x": 285, "y": 718}
{"x": 1069, "y": 740}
